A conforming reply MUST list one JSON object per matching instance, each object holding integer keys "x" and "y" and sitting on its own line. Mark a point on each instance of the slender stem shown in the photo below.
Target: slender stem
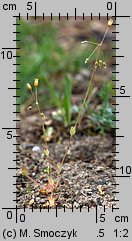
{"x": 92, "y": 54}
{"x": 101, "y": 43}
{"x": 44, "y": 130}
{"x": 66, "y": 152}
{"x": 35, "y": 97}
{"x": 31, "y": 179}
{"x": 104, "y": 36}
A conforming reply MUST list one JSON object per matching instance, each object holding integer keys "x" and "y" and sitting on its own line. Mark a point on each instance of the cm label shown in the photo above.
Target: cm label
{"x": 121, "y": 219}
{"x": 9, "y": 7}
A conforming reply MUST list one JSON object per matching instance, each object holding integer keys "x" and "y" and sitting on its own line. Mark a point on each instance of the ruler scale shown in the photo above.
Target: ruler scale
{"x": 73, "y": 224}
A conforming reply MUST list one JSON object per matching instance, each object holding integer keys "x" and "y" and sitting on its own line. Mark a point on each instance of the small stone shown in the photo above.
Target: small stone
{"x": 98, "y": 201}
{"x": 76, "y": 205}
{"x": 69, "y": 152}
{"x": 70, "y": 183}
{"x": 36, "y": 149}
{"x": 101, "y": 189}
{"x": 89, "y": 193}
{"x": 37, "y": 199}
{"x": 99, "y": 169}
{"x": 85, "y": 73}
{"x": 31, "y": 202}
{"x": 79, "y": 77}
{"x": 42, "y": 201}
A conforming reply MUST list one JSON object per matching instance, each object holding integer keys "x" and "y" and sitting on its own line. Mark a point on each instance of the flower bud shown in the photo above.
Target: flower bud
{"x": 42, "y": 115}
{"x": 29, "y": 86}
{"x": 110, "y": 22}
{"x": 35, "y": 82}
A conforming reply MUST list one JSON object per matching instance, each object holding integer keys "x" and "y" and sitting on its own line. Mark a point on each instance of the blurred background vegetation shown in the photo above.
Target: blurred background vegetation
{"x": 52, "y": 52}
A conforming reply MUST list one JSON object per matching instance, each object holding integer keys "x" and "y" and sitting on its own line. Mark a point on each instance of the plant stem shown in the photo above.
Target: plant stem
{"x": 66, "y": 152}
{"x": 31, "y": 179}
{"x": 92, "y": 53}
{"x": 35, "y": 97}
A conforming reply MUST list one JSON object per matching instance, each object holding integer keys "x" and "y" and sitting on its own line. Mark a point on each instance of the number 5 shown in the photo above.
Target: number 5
{"x": 29, "y": 6}
{"x": 101, "y": 232}
{"x": 9, "y": 134}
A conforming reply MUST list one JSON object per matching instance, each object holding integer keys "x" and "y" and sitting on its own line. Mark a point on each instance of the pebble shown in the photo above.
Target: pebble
{"x": 99, "y": 169}
{"x": 82, "y": 74}
{"x": 42, "y": 201}
{"x": 85, "y": 73}
{"x": 33, "y": 174}
{"x": 31, "y": 202}
{"x": 27, "y": 196}
{"x": 76, "y": 205}
{"x": 98, "y": 201}
{"x": 66, "y": 167}
{"x": 37, "y": 199}
{"x": 36, "y": 149}
{"x": 37, "y": 194}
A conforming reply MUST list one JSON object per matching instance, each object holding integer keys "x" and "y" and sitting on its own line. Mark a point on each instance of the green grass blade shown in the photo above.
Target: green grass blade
{"x": 67, "y": 99}
{"x": 53, "y": 93}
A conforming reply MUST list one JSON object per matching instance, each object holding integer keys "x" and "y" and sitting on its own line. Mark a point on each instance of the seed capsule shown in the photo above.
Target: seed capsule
{"x": 110, "y": 22}
{"x": 42, "y": 115}
{"x": 96, "y": 64}
{"x": 72, "y": 131}
{"x": 100, "y": 63}
{"x": 104, "y": 65}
